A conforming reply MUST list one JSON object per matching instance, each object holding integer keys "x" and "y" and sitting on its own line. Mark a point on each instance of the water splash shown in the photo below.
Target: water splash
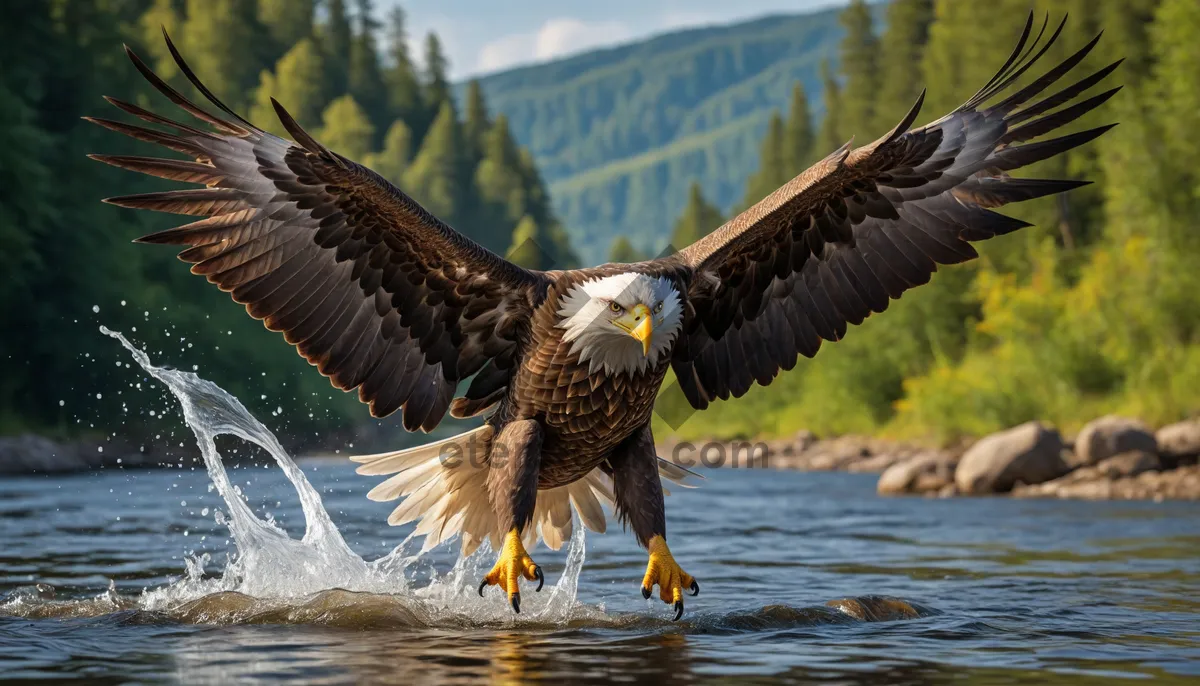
{"x": 269, "y": 564}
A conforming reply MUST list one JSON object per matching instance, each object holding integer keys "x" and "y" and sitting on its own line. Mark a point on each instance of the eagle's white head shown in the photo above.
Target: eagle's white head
{"x": 624, "y": 323}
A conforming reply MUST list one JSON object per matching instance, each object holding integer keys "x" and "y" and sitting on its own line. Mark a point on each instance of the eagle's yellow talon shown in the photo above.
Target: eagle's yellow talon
{"x": 513, "y": 564}
{"x": 664, "y": 571}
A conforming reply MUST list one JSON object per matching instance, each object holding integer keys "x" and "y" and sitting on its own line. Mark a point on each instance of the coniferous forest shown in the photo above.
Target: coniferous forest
{"x": 1093, "y": 309}
{"x": 68, "y": 262}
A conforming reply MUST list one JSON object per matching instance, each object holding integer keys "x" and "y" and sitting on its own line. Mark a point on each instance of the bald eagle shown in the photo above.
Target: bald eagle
{"x": 564, "y": 366}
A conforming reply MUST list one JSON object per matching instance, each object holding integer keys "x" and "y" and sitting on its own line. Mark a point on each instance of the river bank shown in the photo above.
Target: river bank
{"x": 1111, "y": 458}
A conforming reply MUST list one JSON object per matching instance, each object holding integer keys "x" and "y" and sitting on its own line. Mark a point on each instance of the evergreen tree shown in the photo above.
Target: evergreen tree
{"x": 391, "y": 162}
{"x": 772, "y": 164}
{"x": 403, "y": 88}
{"x": 623, "y": 252}
{"x": 346, "y": 129}
{"x": 434, "y": 178}
{"x": 337, "y": 37}
{"x": 298, "y": 84}
{"x": 830, "y": 136}
{"x": 163, "y": 14}
{"x": 859, "y": 67}
{"x": 532, "y": 247}
{"x": 901, "y": 50}
{"x": 699, "y": 218}
{"x": 366, "y": 74}
{"x": 498, "y": 176}
{"x": 224, "y": 47}
{"x": 437, "y": 86}
{"x": 477, "y": 124}
{"x": 287, "y": 22}
{"x": 797, "y": 135}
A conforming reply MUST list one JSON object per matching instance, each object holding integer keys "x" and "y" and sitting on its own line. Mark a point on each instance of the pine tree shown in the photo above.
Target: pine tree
{"x": 901, "y": 50}
{"x": 531, "y": 247}
{"x": 537, "y": 201}
{"x": 337, "y": 37}
{"x": 623, "y": 252}
{"x": 859, "y": 67}
{"x": 772, "y": 164}
{"x": 366, "y": 74}
{"x": 477, "y": 124}
{"x": 830, "y": 136}
{"x": 699, "y": 218}
{"x": 393, "y": 159}
{"x": 287, "y": 22}
{"x": 298, "y": 84}
{"x": 434, "y": 178}
{"x": 498, "y": 176}
{"x": 346, "y": 129}
{"x": 224, "y": 47}
{"x": 403, "y": 88}
{"x": 437, "y": 86}
{"x": 797, "y": 135}
{"x": 163, "y": 14}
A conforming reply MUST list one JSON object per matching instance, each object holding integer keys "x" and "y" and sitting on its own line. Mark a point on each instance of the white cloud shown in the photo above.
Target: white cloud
{"x": 559, "y": 37}
{"x": 554, "y": 38}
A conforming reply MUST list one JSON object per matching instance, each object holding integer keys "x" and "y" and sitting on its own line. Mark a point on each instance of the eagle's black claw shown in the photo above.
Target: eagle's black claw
{"x": 516, "y": 602}
{"x": 678, "y": 610}
{"x": 541, "y": 578}
{"x": 482, "y": 585}
{"x": 695, "y": 588}
{"x": 646, "y": 593}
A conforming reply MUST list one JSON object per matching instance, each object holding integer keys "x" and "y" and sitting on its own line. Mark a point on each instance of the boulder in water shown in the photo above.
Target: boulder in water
{"x": 1179, "y": 443}
{"x": 1131, "y": 463}
{"x": 1112, "y": 435}
{"x": 1030, "y": 453}
{"x": 925, "y": 473}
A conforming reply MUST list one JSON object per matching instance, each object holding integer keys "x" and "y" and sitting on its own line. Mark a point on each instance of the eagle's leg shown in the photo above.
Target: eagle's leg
{"x": 639, "y": 502}
{"x": 512, "y": 487}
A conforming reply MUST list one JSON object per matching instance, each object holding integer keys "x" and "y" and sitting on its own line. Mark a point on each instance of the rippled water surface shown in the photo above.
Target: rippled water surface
{"x": 127, "y": 575}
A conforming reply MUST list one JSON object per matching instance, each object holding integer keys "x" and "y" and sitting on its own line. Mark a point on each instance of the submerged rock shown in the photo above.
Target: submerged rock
{"x": 1131, "y": 463}
{"x": 1090, "y": 483}
{"x": 1112, "y": 435}
{"x": 1030, "y": 453}
{"x": 1179, "y": 443}
{"x": 925, "y": 473}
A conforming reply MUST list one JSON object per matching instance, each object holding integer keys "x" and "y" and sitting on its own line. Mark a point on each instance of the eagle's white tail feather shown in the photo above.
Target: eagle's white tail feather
{"x": 447, "y": 492}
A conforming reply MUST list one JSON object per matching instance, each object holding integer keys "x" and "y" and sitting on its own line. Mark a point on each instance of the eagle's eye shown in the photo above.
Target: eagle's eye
{"x": 658, "y": 308}
{"x": 614, "y": 307}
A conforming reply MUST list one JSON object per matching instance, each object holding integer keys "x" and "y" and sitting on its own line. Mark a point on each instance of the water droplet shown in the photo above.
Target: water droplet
{"x": 96, "y": 309}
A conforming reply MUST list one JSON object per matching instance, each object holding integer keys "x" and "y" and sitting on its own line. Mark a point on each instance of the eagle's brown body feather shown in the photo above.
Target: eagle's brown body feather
{"x": 585, "y": 414}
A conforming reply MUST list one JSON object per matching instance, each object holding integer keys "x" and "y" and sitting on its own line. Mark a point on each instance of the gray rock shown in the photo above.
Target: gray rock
{"x": 1179, "y": 443}
{"x": 1112, "y": 435}
{"x": 1128, "y": 464}
{"x": 926, "y": 473}
{"x": 1029, "y": 454}
{"x": 1089, "y": 484}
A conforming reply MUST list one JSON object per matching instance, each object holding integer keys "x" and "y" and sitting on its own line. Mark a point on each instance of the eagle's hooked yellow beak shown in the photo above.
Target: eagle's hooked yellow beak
{"x": 638, "y": 323}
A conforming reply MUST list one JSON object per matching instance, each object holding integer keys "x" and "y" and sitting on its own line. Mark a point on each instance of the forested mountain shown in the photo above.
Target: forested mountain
{"x": 67, "y": 260}
{"x": 621, "y": 133}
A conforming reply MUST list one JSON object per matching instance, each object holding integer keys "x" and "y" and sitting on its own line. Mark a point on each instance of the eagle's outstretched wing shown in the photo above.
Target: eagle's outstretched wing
{"x": 864, "y": 225}
{"x": 373, "y": 290}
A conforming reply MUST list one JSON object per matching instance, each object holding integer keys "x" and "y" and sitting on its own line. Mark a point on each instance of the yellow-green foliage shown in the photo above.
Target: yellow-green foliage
{"x": 1097, "y": 310}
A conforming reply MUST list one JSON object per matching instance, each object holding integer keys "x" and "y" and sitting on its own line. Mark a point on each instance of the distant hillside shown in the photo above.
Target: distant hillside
{"x": 620, "y": 133}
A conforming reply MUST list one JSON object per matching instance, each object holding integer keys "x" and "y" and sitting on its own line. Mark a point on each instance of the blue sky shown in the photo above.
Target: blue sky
{"x": 482, "y": 36}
